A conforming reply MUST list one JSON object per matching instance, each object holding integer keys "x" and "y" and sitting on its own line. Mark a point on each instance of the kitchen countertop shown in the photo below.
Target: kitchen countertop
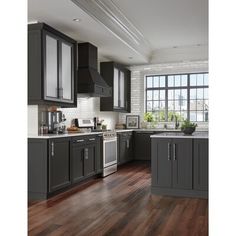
{"x": 197, "y": 134}
{"x": 200, "y": 135}
{"x": 67, "y": 135}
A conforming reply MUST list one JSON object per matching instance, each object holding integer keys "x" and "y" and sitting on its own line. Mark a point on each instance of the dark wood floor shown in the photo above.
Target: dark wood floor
{"x": 120, "y": 204}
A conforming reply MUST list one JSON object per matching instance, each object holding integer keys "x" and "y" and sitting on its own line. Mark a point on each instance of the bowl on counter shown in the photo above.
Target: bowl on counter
{"x": 188, "y": 130}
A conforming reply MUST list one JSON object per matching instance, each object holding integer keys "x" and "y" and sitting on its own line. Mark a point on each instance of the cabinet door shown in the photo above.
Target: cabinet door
{"x": 122, "y": 89}
{"x": 59, "y": 164}
{"x": 123, "y": 152}
{"x": 116, "y": 88}
{"x": 66, "y": 77}
{"x": 99, "y": 156}
{"x": 161, "y": 163}
{"x": 142, "y": 148}
{"x": 51, "y": 68}
{"x": 129, "y": 145}
{"x": 200, "y": 157}
{"x": 182, "y": 163}
{"x": 90, "y": 160}
{"x": 77, "y": 163}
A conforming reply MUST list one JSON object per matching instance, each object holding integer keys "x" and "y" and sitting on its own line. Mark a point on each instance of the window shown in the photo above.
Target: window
{"x": 184, "y": 95}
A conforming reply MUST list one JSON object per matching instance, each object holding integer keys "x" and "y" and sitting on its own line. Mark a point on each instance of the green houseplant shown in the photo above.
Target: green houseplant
{"x": 149, "y": 118}
{"x": 188, "y": 127}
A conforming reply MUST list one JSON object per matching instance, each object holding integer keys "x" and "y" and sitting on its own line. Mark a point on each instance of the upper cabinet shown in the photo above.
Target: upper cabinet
{"x": 51, "y": 67}
{"x": 118, "y": 77}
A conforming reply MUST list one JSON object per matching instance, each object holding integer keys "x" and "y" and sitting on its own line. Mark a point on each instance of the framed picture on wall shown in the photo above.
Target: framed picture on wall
{"x": 132, "y": 121}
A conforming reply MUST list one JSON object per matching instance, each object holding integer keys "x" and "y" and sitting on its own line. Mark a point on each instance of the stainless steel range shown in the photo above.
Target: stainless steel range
{"x": 109, "y": 152}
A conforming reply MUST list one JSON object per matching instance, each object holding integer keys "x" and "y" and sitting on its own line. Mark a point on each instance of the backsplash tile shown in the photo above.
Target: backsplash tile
{"x": 89, "y": 108}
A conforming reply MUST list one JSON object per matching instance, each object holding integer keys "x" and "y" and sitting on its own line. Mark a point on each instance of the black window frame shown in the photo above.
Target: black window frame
{"x": 166, "y": 88}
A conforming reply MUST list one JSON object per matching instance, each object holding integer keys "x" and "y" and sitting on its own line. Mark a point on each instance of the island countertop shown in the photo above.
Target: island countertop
{"x": 199, "y": 135}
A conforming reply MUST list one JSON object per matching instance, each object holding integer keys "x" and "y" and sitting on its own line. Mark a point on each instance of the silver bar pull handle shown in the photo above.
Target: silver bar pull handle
{"x": 174, "y": 152}
{"x": 80, "y": 140}
{"x": 92, "y": 139}
{"x": 127, "y": 143}
{"x": 86, "y": 153}
{"x": 169, "y": 158}
{"x": 52, "y": 151}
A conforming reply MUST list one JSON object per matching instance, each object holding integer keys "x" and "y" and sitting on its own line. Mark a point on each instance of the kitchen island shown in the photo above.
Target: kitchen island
{"x": 180, "y": 164}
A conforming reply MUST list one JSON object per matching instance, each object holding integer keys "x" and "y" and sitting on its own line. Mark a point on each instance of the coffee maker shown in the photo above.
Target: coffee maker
{"x": 55, "y": 122}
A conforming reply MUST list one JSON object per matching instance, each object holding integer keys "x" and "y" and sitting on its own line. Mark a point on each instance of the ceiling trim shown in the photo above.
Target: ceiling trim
{"x": 111, "y": 17}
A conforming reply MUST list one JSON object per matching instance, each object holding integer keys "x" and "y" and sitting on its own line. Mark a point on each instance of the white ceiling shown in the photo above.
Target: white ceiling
{"x": 167, "y": 26}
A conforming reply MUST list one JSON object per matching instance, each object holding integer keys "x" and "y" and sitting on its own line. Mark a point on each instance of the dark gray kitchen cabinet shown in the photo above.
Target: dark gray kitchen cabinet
{"x": 142, "y": 145}
{"x": 117, "y": 77}
{"x": 172, "y": 163}
{"x": 200, "y": 158}
{"x": 90, "y": 160}
{"x": 49, "y": 168}
{"x": 161, "y": 163}
{"x": 86, "y": 157}
{"x": 59, "y": 164}
{"x": 51, "y": 67}
{"x": 77, "y": 163}
{"x": 178, "y": 168}
{"x": 182, "y": 163}
{"x": 125, "y": 147}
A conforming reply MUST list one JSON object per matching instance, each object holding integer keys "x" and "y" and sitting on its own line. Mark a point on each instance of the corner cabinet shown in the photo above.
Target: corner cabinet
{"x": 117, "y": 77}
{"x": 51, "y": 67}
{"x": 125, "y": 147}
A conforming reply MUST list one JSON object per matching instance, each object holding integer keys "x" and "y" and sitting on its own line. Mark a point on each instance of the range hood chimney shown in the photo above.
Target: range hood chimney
{"x": 90, "y": 83}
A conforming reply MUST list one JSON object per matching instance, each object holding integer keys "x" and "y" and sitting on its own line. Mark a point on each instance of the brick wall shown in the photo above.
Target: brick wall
{"x": 137, "y": 81}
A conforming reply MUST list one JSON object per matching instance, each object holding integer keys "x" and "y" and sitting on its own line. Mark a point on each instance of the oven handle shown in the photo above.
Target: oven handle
{"x": 110, "y": 140}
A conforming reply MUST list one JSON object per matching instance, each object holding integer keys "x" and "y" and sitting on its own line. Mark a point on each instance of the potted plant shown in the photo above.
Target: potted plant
{"x": 188, "y": 127}
{"x": 148, "y": 117}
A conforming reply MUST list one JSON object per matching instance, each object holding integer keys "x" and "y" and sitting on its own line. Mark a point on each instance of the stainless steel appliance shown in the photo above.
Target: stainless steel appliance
{"x": 109, "y": 153}
{"x": 84, "y": 123}
{"x": 55, "y": 122}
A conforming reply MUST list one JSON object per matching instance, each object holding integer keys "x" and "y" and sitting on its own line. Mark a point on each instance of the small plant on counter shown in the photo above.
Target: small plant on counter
{"x": 188, "y": 127}
{"x": 148, "y": 116}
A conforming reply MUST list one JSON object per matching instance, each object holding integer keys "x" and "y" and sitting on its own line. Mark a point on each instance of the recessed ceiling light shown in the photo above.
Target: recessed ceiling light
{"x": 77, "y": 19}
{"x": 147, "y": 68}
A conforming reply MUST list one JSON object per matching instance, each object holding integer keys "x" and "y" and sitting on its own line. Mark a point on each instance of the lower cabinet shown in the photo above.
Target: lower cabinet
{"x": 172, "y": 163}
{"x": 57, "y": 164}
{"x": 85, "y": 157}
{"x": 200, "y": 164}
{"x": 179, "y": 166}
{"x": 142, "y": 145}
{"x": 125, "y": 147}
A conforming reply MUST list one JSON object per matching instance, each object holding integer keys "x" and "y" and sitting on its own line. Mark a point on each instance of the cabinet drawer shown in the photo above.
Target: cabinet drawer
{"x": 79, "y": 141}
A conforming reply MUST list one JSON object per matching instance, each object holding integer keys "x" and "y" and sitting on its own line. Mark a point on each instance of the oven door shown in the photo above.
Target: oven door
{"x": 109, "y": 152}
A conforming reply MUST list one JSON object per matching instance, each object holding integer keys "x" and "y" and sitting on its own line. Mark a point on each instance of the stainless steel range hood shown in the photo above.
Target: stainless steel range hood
{"x": 90, "y": 83}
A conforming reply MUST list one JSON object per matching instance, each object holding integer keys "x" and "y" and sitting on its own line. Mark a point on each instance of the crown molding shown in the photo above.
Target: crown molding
{"x": 111, "y": 17}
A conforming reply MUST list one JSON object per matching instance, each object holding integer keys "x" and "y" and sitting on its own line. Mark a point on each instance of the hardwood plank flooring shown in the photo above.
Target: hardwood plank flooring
{"x": 120, "y": 204}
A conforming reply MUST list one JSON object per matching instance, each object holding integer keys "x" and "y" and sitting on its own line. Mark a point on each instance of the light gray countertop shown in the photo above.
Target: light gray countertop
{"x": 200, "y": 135}
{"x": 67, "y": 135}
{"x": 168, "y": 133}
